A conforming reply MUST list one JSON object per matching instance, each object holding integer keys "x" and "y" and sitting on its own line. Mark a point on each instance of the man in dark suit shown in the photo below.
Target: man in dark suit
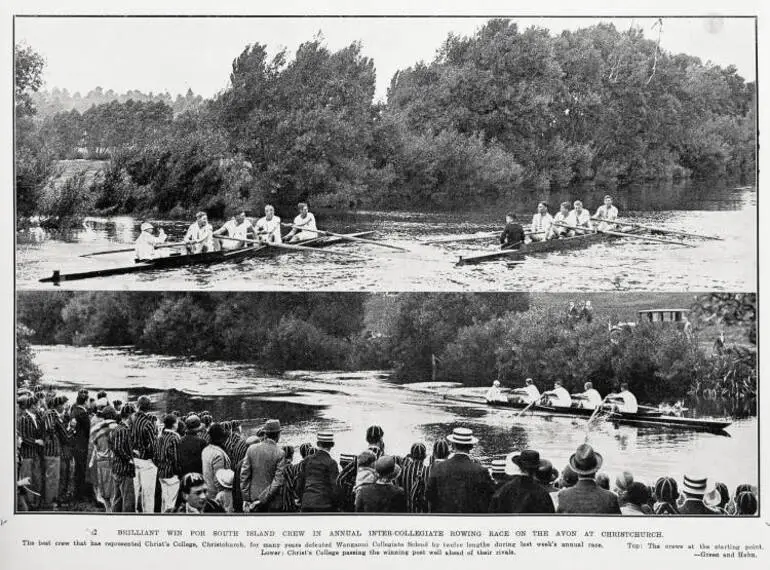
{"x": 459, "y": 484}
{"x": 81, "y": 422}
{"x": 693, "y": 491}
{"x": 523, "y": 494}
{"x": 586, "y": 496}
{"x": 190, "y": 448}
{"x": 317, "y": 479}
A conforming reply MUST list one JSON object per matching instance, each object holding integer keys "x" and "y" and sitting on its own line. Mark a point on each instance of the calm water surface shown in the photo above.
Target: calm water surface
{"x": 628, "y": 264}
{"x": 347, "y": 403}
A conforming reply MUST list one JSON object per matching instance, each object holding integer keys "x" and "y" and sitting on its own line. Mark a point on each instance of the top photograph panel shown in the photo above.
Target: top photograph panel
{"x": 386, "y": 154}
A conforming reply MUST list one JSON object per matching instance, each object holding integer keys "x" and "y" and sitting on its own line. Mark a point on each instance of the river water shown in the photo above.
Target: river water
{"x": 347, "y": 403}
{"x": 626, "y": 264}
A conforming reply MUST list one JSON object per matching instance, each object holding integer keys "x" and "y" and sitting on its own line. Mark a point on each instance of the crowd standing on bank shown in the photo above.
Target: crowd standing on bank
{"x": 126, "y": 459}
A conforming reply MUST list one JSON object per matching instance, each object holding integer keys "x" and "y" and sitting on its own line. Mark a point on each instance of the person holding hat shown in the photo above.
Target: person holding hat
{"x": 225, "y": 478}
{"x": 262, "y": 473}
{"x": 56, "y": 435}
{"x": 316, "y": 483}
{"x": 459, "y": 484}
{"x": 123, "y": 497}
{"x": 190, "y": 447}
{"x": 144, "y": 246}
{"x": 523, "y": 494}
{"x": 693, "y": 490}
{"x": 30, "y": 430}
{"x": 383, "y": 496}
{"x": 214, "y": 458}
{"x": 586, "y": 496}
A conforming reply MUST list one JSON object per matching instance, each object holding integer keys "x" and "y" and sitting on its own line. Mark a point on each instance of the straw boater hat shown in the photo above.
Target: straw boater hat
{"x": 694, "y": 485}
{"x": 497, "y": 467}
{"x": 146, "y": 226}
{"x": 387, "y": 468}
{"x": 462, "y": 436}
{"x": 346, "y": 458}
{"x": 325, "y": 437}
{"x": 585, "y": 461}
{"x": 225, "y": 477}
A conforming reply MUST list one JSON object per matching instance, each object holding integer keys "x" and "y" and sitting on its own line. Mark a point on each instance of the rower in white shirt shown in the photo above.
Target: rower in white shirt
{"x": 541, "y": 223}
{"x": 625, "y": 401}
{"x": 144, "y": 246}
{"x": 606, "y": 213}
{"x": 579, "y": 220}
{"x": 304, "y": 225}
{"x": 558, "y": 397}
{"x": 590, "y": 399}
{"x": 269, "y": 226}
{"x": 237, "y": 227}
{"x": 529, "y": 393}
{"x": 199, "y": 237}
{"x": 494, "y": 394}
{"x": 557, "y": 223}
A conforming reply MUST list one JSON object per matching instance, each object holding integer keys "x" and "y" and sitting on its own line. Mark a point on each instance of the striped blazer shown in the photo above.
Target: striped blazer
{"x": 412, "y": 480}
{"x": 56, "y": 434}
{"x": 144, "y": 435}
{"x": 29, "y": 430}
{"x": 235, "y": 447}
{"x": 167, "y": 454}
{"x": 122, "y": 456}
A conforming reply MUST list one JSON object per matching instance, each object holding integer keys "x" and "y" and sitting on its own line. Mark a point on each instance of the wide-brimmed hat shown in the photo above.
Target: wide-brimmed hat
{"x": 462, "y": 436}
{"x": 546, "y": 472}
{"x": 272, "y": 426}
{"x": 225, "y": 477}
{"x": 325, "y": 437}
{"x": 695, "y": 484}
{"x": 387, "y": 468}
{"x": 497, "y": 467}
{"x": 585, "y": 461}
{"x": 192, "y": 423}
{"x": 528, "y": 459}
{"x": 146, "y": 226}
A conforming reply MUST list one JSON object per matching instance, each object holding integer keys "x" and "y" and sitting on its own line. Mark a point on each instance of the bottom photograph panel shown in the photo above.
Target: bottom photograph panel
{"x": 420, "y": 403}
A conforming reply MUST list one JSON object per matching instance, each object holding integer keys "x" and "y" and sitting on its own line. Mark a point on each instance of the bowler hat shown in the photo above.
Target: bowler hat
{"x": 585, "y": 461}
{"x": 192, "y": 423}
{"x": 387, "y": 468}
{"x": 528, "y": 459}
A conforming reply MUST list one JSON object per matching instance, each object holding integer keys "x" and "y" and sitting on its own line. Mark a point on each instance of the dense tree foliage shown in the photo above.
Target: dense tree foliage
{"x": 495, "y": 113}
{"x": 27, "y": 371}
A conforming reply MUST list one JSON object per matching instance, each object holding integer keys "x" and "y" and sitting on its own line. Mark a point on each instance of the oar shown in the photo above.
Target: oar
{"x": 343, "y": 236}
{"x": 532, "y": 403}
{"x": 173, "y": 244}
{"x": 294, "y": 247}
{"x": 480, "y": 236}
{"x": 596, "y": 410}
{"x": 108, "y": 251}
{"x": 624, "y": 234}
{"x": 661, "y": 230}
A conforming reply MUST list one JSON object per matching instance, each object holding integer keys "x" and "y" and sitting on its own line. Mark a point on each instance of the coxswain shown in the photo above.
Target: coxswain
{"x": 237, "y": 227}
{"x": 558, "y": 397}
{"x": 559, "y": 220}
{"x": 144, "y": 247}
{"x": 513, "y": 234}
{"x": 541, "y": 223}
{"x": 590, "y": 398}
{"x": 606, "y": 213}
{"x": 529, "y": 393}
{"x": 579, "y": 220}
{"x": 269, "y": 226}
{"x": 494, "y": 394}
{"x": 624, "y": 401}
{"x": 200, "y": 235}
{"x": 304, "y": 225}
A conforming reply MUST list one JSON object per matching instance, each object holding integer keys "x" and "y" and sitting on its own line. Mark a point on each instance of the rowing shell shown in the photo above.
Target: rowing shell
{"x": 644, "y": 418}
{"x": 184, "y": 260}
{"x": 563, "y": 244}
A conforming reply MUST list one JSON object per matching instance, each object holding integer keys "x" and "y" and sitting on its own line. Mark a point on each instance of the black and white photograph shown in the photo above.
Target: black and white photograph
{"x": 439, "y": 403}
{"x": 473, "y": 154}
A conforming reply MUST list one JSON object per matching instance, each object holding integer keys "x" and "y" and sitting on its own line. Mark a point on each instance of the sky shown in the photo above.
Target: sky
{"x": 174, "y": 54}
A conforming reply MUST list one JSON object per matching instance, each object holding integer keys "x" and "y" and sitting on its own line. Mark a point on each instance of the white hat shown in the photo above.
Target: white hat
{"x": 146, "y": 226}
{"x": 462, "y": 436}
{"x": 510, "y": 467}
{"x": 225, "y": 477}
{"x": 695, "y": 485}
{"x": 496, "y": 383}
{"x": 325, "y": 437}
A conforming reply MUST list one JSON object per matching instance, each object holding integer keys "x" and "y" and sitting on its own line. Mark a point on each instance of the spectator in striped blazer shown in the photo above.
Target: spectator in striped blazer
{"x": 412, "y": 478}
{"x": 289, "y": 492}
{"x": 123, "y": 498}
{"x": 30, "y": 431}
{"x": 234, "y": 446}
{"x": 167, "y": 461}
{"x": 144, "y": 438}
{"x": 56, "y": 435}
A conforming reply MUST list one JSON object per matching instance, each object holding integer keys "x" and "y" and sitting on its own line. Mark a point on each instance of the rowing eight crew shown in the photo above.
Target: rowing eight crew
{"x": 559, "y": 397}
{"x": 566, "y": 223}
{"x": 201, "y": 237}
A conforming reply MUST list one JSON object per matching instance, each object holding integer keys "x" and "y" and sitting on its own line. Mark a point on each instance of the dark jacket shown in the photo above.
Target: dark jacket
{"x": 381, "y": 498}
{"x": 459, "y": 485}
{"x": 208, "y": 507}
{"x": 317, "y": 482}
{"x": 587, "y": 497}
{"x": 190, "y": 449}
{"x": 693, "y": 507}
{"x": 521, "y": 494}
{"x": 82, "y": 427}
{"x": 512, "y": 236}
